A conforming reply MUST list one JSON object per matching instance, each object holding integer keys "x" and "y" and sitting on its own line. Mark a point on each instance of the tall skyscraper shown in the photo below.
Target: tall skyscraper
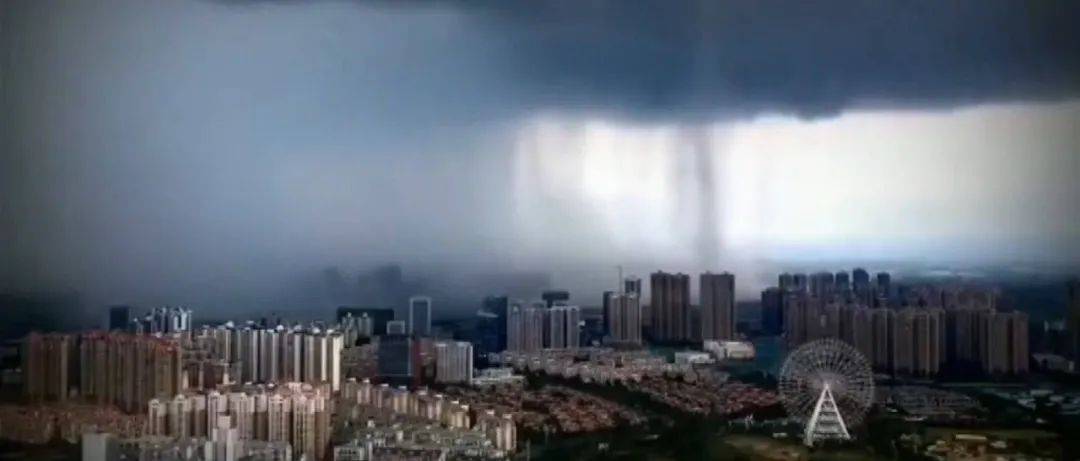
{"x": 499, "y": 306}
{"x": 396, "y": 356}
{"x": 534, "y": 320}
{"x": 625, "y": 318}
{"x": 607, "y": 306}
{"x": 46, "y": 361}
{"x": 515, "y": 328}
{"x": 420, "y": 316}
{"x": 670, "y": 306}
{"x": 717, "y": 306}
{"x": 843, "y": 282}
{"x": 563, "y": 327}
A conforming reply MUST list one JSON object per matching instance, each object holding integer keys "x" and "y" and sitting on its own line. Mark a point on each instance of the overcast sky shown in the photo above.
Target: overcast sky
{"x": 214, "y": 151}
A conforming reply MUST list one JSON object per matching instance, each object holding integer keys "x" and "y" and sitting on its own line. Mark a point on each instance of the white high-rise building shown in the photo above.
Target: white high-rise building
{"x": 624, "y": 318}
{"x": 515, "y": 328}
{"x": 270, "y": 356}
{"x": 563, "y": 327}
{"x": 454, "y": 362}
{"x": 557, "y": 327}
{"x": 336, "y": 343}
{"x": 533, "y": 320}
{"x": 420, "y": 315}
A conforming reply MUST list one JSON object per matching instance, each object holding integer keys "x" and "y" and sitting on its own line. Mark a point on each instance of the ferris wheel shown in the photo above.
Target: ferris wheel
{"x": 829, "y": 385}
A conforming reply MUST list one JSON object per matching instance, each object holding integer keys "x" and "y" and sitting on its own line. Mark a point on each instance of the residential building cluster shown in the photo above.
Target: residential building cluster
{"x": 275, "y": 354}
{"x": 121, "y": 369}
{"x": 550, "y": 409}
{"x": 537, "y": 326}
{"x": 706, "y": 397}
{"x": 382, "y": 404}
{"x": 221, "y": 444}
{"x": 594, "y": 365}
{"x": 294, "y": 414}
{"x": 159, "y": 320}
{"x": 38, "y": 424}
{"x": 671, "y": 316}
{"x": 916, "y": 330}
{"x": 932, "y": 404}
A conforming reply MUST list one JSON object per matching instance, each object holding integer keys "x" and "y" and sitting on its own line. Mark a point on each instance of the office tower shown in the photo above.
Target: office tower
{"x": 884, "y": 285}
{"x": 396, "y": 356}
{"x": 119, "y": 318}
{"x": 420, "y": 316}
{"x": 772, "y": 310}
{"x": 379, "y": 317}
{"x": 454, "y": 362}
{"x": 670, "y": 306}
{"x": 1073, "y": 316}
{"x": 497, "y": 309}
{"x": 717, "y": 306}
{"x": 46, "y": 361}
{"x": 555, "y": 297}
{"x": 396, "y": 327}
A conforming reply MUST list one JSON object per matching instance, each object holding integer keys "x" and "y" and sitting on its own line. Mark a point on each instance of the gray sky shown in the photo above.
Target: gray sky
{"x": 216, "y": 152}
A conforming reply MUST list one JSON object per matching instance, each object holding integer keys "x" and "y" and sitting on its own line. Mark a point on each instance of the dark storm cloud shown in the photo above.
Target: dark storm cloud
{"x": 707, "y": 58}
{"x": 207, "y": 152}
